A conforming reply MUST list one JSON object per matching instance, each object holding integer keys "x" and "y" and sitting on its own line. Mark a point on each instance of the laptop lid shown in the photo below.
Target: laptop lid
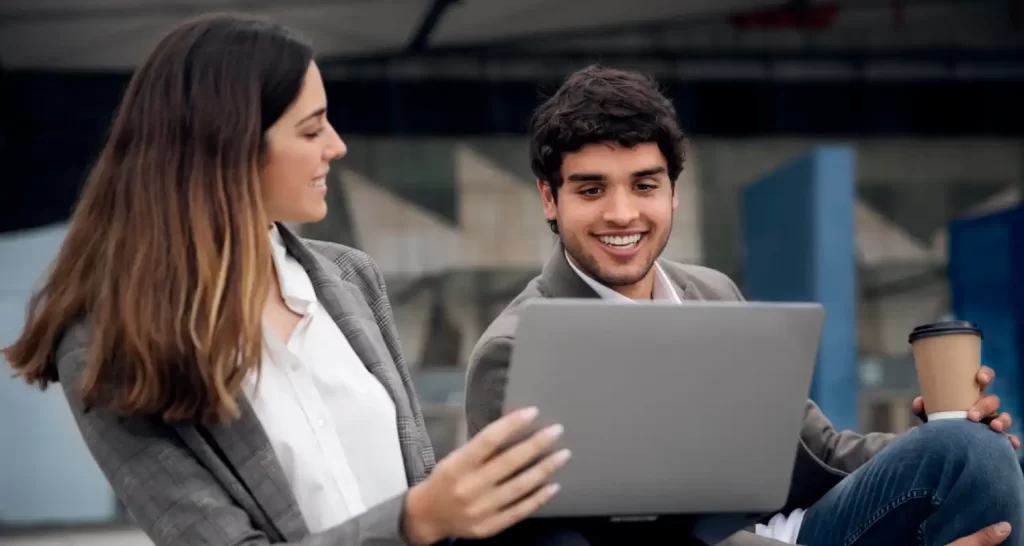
{"x": 690, "y": 408}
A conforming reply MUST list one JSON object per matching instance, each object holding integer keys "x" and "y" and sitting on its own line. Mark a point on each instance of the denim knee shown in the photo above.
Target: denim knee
{"x": 960, "y": 438}
{"x": 973, "y": 449}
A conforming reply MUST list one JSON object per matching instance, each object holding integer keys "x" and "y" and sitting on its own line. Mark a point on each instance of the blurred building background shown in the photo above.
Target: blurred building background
{"x": 432, "y": 97}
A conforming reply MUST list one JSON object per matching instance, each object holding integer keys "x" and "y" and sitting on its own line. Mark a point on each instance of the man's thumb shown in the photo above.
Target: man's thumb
{"x": 989, "y": 536}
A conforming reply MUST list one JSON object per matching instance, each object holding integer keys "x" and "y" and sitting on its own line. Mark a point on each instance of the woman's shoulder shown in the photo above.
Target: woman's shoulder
{"x": 349, "y": 260}
{"x": 74, "y": 340}
{"x": 70, "y": 349}
{"x": 335, "y": 252}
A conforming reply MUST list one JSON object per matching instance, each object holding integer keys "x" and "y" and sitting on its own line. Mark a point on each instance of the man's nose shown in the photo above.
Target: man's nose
{"x": 620, "y": 210}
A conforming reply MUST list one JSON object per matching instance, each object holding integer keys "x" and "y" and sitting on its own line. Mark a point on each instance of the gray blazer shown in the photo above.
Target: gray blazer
{"x": 190, "y": 484}
{"x": 824, "y": 457}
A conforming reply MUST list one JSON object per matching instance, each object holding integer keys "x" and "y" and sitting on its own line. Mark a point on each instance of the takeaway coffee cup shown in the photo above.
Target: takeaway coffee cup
{"x": 947, "y": 356}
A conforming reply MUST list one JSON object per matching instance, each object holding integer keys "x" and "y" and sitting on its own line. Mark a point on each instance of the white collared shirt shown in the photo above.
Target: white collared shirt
{"x": 332, "y": 425}
{"x": 781, "y": 527}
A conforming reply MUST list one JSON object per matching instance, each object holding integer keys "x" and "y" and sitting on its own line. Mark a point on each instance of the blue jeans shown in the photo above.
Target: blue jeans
{"x": 944, "y": 480}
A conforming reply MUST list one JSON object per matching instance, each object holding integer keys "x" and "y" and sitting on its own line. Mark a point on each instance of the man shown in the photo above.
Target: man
{"x": 606, "y": 151}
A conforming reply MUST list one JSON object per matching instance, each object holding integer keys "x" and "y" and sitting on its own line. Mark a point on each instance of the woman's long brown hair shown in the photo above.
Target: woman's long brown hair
{"x": 166, "y": 260}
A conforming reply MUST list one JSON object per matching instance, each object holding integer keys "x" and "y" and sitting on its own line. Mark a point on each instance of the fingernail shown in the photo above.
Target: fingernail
{"x": 528, "y": 413}
{"x": 554, "y": 431}
{"x": 554, "y": 488}
{"x": 1002, "y": 529}
{"x": 974, "y": 415}
{"x": 562, "y": 456}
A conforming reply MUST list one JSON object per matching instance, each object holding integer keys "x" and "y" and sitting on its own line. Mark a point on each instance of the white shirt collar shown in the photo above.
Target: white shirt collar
{"x": 663, "y": 289}
{"x": 296, "y": 290}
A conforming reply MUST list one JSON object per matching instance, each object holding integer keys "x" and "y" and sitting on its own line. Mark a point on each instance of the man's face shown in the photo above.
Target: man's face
{"x": 614, "y": 211}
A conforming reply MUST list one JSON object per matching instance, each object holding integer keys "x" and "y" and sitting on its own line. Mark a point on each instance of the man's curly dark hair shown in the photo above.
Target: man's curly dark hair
{"x": 601, "y": 104}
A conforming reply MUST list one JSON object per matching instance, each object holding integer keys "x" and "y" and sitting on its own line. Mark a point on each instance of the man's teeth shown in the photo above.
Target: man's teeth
{"x": 621, "y": 241}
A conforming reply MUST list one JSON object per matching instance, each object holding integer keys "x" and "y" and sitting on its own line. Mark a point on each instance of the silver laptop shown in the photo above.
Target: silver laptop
{"x": 668, "y": 408}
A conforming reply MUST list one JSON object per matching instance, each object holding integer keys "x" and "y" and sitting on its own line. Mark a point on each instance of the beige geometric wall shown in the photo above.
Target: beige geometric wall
{"x": 501, "y": 224}
{"x": 498, "y": 223}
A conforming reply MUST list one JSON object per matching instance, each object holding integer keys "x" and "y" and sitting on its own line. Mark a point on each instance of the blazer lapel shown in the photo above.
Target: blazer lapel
{"x": 348, "y": 308}
{"x": 558, "y": 280}
{"x": 244, "y": 446}
{"x": 350, "y": 312}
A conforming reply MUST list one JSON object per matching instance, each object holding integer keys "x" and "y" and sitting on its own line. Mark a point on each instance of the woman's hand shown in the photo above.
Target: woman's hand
{"x": 482, "y": 489}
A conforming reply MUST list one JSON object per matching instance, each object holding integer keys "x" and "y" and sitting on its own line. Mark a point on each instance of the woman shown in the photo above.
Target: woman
{"x": 237, "y": 384}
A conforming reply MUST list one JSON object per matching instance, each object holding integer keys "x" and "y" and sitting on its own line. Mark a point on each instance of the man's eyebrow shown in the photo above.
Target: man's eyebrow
{"x": 643, "y": 173}
{"x": 600, "y": 177}
{"x": 586, "y": 177}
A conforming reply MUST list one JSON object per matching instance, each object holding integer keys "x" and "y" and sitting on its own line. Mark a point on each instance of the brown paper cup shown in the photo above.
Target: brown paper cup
{"x": 947, "y": 356}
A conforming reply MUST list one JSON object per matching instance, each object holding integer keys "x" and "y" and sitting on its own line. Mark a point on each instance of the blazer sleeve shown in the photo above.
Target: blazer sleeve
{"x": 174, "y": 498}
{"x": 486, "y": 379}
{"x": 843, "y": 450}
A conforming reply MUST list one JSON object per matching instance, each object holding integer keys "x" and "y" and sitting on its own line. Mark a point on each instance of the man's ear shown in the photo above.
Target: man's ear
{"x": 547, "y": 200}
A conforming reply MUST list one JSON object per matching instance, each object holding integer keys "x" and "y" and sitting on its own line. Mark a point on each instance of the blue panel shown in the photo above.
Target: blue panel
{"x": 47, "y": 475}
{"x": 778, "y": 234}
{"x": 984, "y": 275}
{"x": 798, "y": 230}
{"x": 835, "y": 275}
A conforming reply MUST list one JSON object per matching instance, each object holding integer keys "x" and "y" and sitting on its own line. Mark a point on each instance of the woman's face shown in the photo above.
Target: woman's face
{"x": 300, "y": 147}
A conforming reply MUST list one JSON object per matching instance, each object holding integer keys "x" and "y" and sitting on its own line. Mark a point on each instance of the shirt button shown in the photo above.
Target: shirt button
{"x": 321, "y": 422}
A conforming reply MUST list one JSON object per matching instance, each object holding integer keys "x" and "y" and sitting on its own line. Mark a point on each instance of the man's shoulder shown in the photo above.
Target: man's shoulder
{"x": 487, "y": 372}
{"x": 503, "y": 327}
{"x": 710, "y": 283}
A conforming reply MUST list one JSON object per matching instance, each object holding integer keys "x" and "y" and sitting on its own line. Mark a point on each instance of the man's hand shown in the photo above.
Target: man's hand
{"x": 989, "y": 536}
{"x": 986, "y": 407}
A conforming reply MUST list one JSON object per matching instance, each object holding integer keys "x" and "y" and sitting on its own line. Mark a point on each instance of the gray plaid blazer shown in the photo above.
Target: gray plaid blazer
{"x": 189, "y": 484}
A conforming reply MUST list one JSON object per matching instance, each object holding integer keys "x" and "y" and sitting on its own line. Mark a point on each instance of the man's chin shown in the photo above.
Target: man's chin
{"x": 611, "y": 277}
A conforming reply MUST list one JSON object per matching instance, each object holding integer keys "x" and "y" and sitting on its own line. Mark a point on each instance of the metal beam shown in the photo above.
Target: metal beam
{"x": 906, "y": 284}
{"x": 72, "y": 13}
{"x": 790, "y": 64}
{"x": 677, "y": 55}
{"x": 420, "y": 40}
